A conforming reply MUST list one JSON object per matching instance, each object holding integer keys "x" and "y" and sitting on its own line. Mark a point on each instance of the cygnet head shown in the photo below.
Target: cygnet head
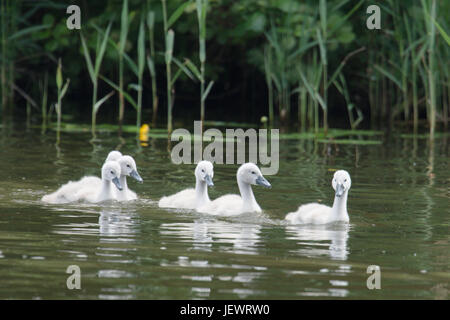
{"x": 205, "y": 172}
{"x": 111, "y": 172}
{"x": 128, "y": 168}
{"x": 341, "y": 182}
{"x": 113, "y": 156}
{"x": 249, "y": 173}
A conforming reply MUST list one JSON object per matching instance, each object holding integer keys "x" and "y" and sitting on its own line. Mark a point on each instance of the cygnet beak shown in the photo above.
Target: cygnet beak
{"x": 208, "y": 180}
{"x": 339, "y": 190}
{"x": 117, "y": 183}
{"x": 263, "y": 182}
{"x": 135, "y": 175}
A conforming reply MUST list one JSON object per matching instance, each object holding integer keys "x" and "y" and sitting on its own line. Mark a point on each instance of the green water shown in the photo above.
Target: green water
{"x": 398, "y": 206}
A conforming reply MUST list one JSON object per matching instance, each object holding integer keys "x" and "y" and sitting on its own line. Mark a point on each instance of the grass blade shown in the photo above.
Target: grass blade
{"x": 88, "y": 58}
{"x": 176, "y": 14}
{"x": 208, "y": 89}
{"x": 101, "y": 101}
{"x": 125, "y": 94}
{"x": 388, "y": 75}
{"x": 101, "y": 52}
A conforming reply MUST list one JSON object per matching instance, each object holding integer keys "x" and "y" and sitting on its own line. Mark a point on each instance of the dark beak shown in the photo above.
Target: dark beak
{"x": 263, "y": 182}
{"x": 117, "y": 183}
{"x": 208, "y": 180}
{"x": 339, "y": 190}
{"x": 136, "y": 176}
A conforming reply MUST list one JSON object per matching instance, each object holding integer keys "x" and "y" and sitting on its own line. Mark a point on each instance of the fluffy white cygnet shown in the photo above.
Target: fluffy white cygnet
{"x": 231, "y": 204}
{"x": 88, "y": 188}
{"x": 192, "y": 198}
{"x": 113, "y": 156}
{"x": 315, "y": 213}
{"x": 127, "y": 168}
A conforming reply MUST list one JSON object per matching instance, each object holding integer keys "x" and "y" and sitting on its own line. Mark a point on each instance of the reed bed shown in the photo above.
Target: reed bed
{"x": 306, "y": 51}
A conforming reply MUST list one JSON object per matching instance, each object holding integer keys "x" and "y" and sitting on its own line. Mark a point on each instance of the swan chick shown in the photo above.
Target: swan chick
{"x": 128, "y": 169}
{"x": 113, "y": 156}
{"x": 192, "y": 198}
{"x": 315, "y": 213}
{"x": 89, "y": 188}
{"x": 228, "y": 205}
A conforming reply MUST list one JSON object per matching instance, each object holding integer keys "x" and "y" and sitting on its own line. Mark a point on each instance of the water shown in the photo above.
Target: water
{"x": 398, "y": 206}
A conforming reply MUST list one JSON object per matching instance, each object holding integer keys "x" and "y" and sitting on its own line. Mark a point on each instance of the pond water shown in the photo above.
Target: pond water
{"x": 398, "y": 207}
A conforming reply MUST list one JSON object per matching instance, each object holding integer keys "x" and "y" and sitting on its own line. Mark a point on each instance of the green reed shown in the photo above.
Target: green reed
{"x": 94, "y": 70}
{"x": 61, "y": 92}
{"x": 169, "y": 36}
{"x": 124, "y": 23}
{"x": 151, "y": 64}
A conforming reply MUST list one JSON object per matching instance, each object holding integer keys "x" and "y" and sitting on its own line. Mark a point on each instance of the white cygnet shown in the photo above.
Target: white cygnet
{"x": 232, "y": 204}
{"x": 315, "y": 213}
{"x": 192, "y": 198}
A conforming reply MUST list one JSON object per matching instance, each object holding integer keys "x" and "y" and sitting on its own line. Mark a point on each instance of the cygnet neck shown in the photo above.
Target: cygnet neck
{"x": 248, "y": 199}
{"x": 121, "y": 194}
{"x": 339, "y": 210}
{"x": 105, "y": 191}
{"x": 201, "y": 192}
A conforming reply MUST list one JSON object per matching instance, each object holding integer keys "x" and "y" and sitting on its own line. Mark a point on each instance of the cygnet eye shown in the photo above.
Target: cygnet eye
{"x": 128, "y": 165}
{"x": 345, "y": 180}
{"x": 112, "y": 172}
{"x": 253, "y": 172}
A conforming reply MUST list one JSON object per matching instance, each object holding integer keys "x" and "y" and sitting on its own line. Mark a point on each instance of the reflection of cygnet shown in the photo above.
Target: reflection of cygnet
{"x": 243, "y": 237}
{"x": 315, "y": 213}
{"x": 315, "y": 236}
{"x": 114, "y": 222}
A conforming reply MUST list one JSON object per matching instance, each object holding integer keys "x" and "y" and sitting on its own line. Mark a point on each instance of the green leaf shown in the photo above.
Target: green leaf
{"x": 208, "y": 89}
{"x": 193, "y": 68}
{"x": 134, "y": 86}
{"x": 123, "y": 26}
{"x": 125, "y": 94}
{"x": 26, "y": 31}
{"x": 202, "y": 50}
{"x": 131, "y": 64}
{"x": 59, "y": 75}
{"x": 64, "y": 89}
{"x": 346, "y": 17}
{"x": 176, "y": 14}
{"x": 88, "y": 59}
{"x": 175, "y": 77}
{"x": 169, "y": 45}
{"x": 323, "y": 52}
{"x": 151, "y": 66}
{"x": 183, "y": 68}
{"x": 307, "y": 85}
{"x": 151, "y": 20}
{"x": 101, "y": 101}
{"x": 101, "y": 52}
{"x": 323, "y": 15}
{"x": 442, "y": 32}
{"x": 141, "y": 48}
{"x": 321, "y": 102}
{"x": 389, "y": 75}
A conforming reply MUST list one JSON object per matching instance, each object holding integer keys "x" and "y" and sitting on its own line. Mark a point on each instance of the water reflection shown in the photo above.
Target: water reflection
{"x": 244, "y": 238}
{"x": 316, "y": 241}
{"x": 114, "y": 222}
